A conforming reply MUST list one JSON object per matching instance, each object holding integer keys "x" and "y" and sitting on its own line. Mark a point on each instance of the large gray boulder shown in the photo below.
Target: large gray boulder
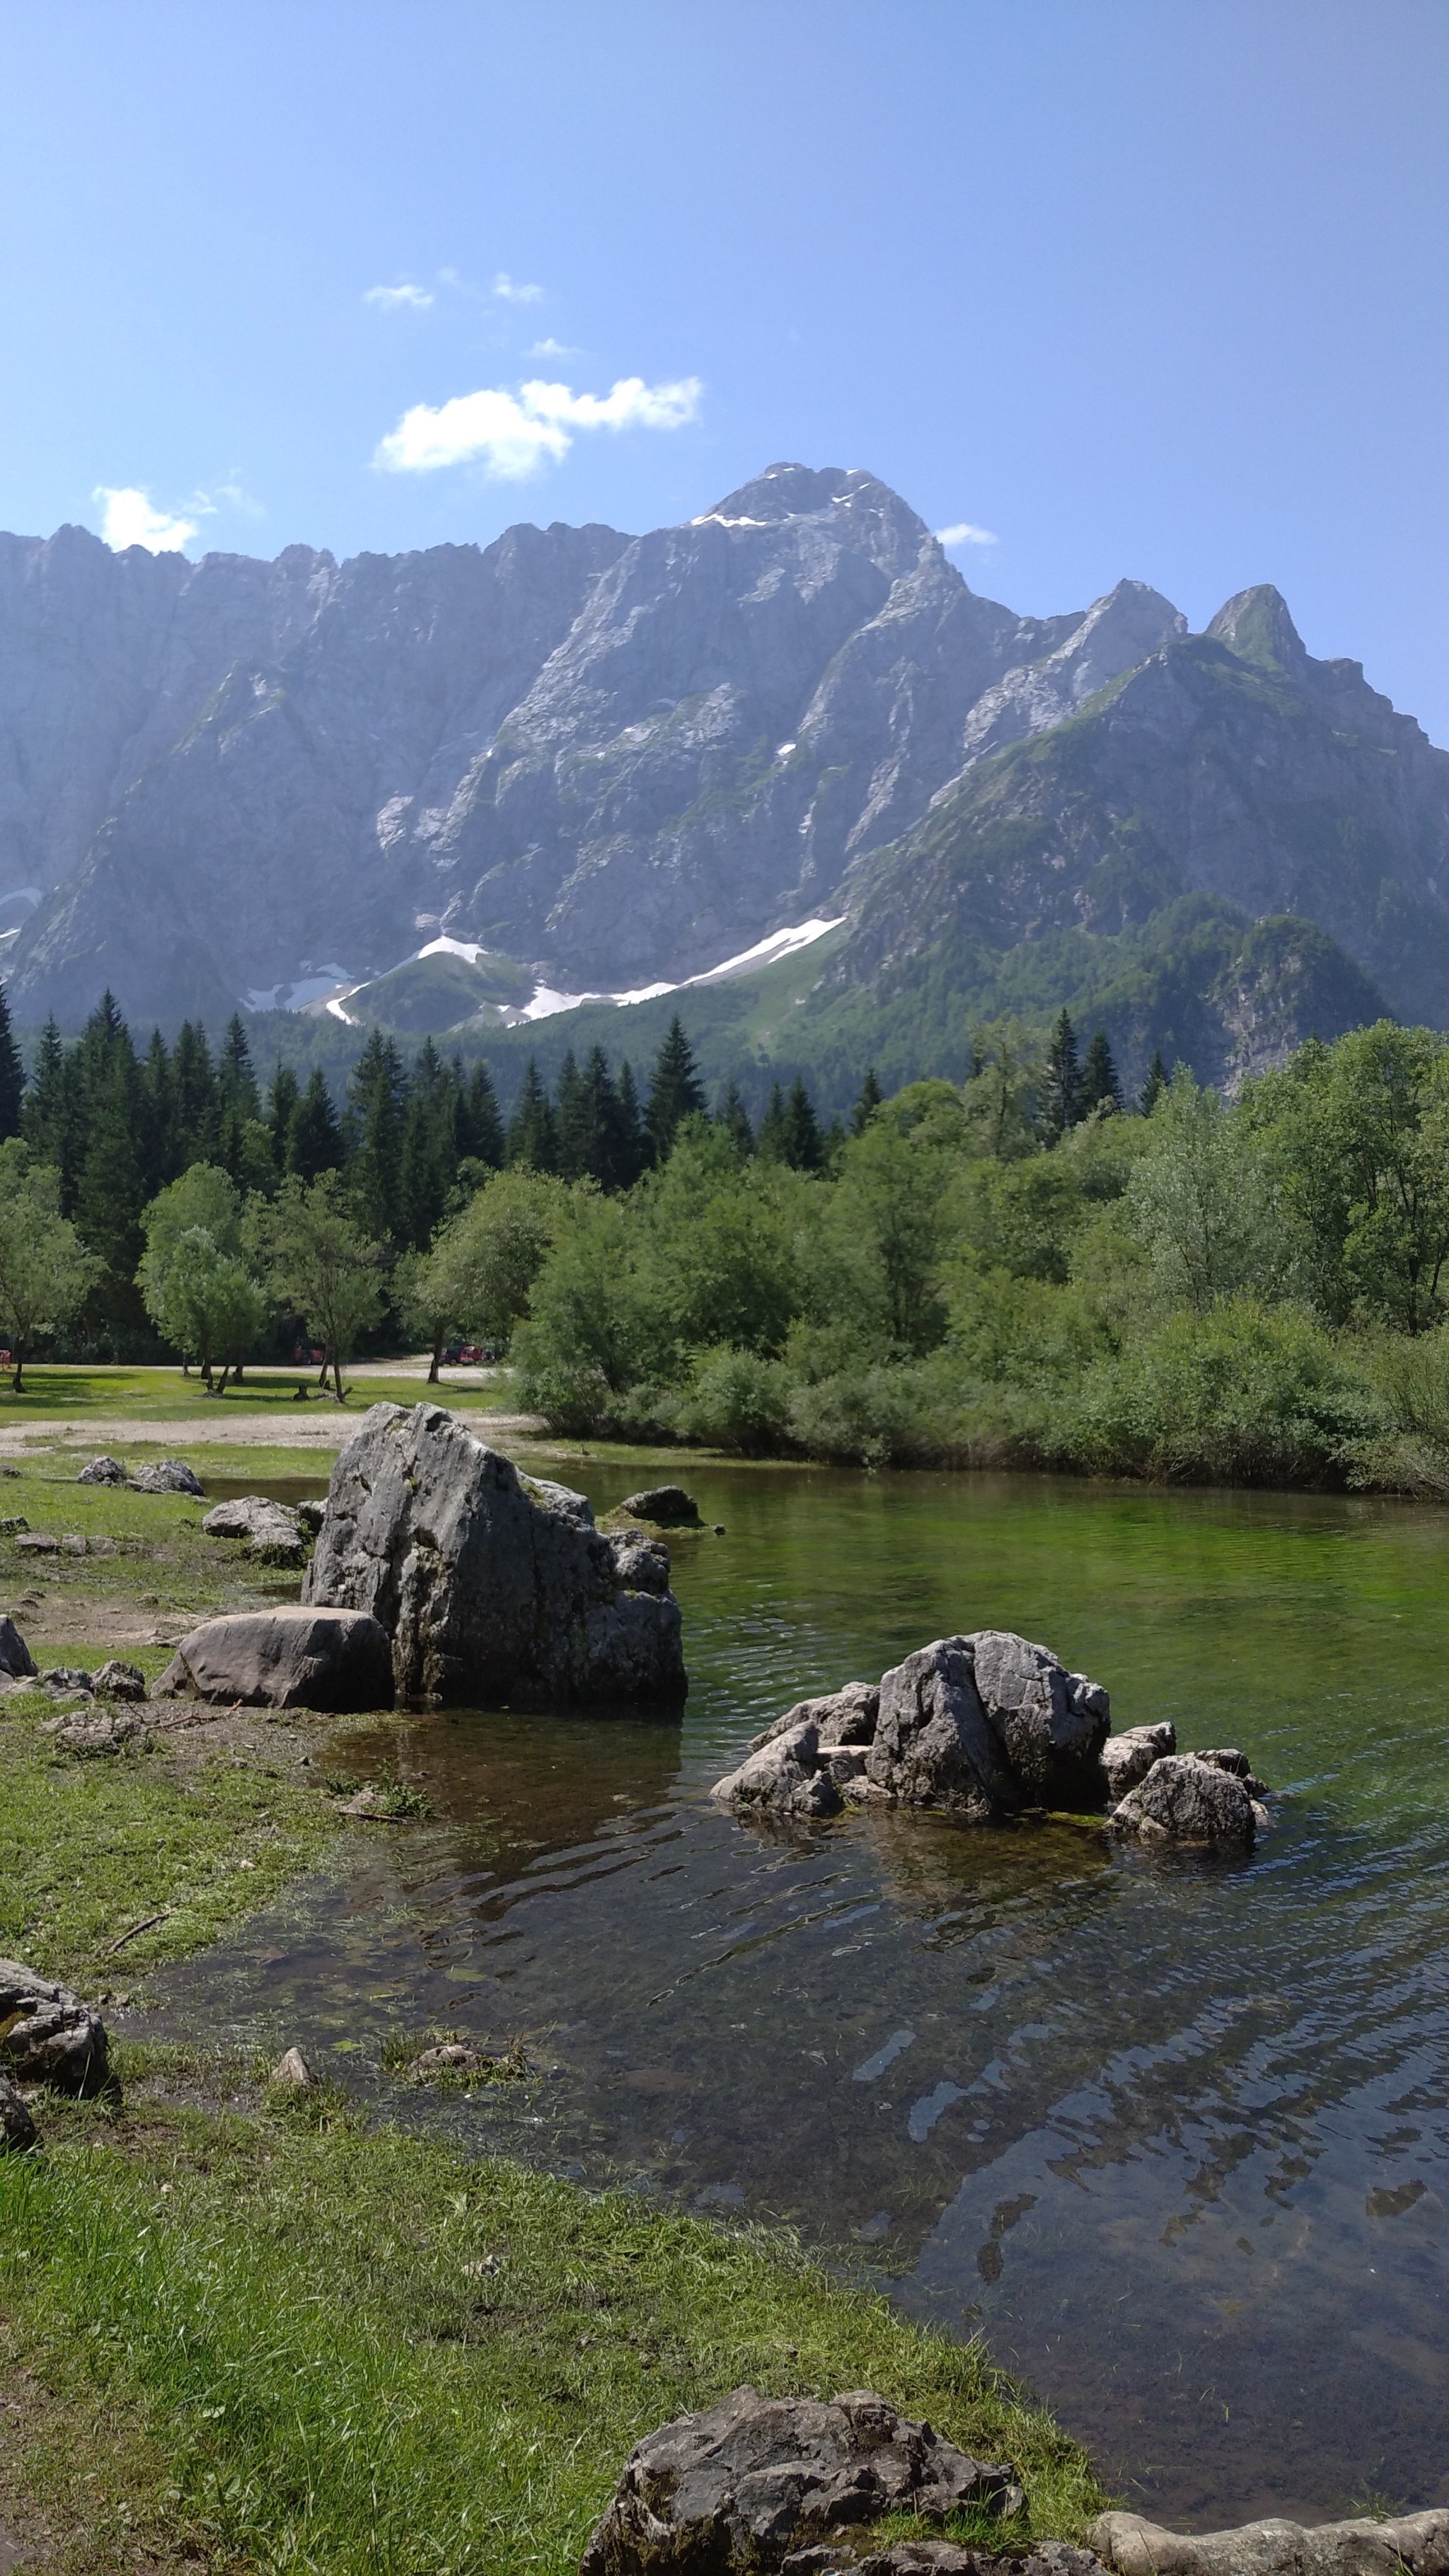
{"x": 1409, "y": 2544}
{"x": 16, "y": 1659}
{"x": 334, "y": 1660}
{"x": 932, "y": 1745}
{"x": 791, "y": 1774}
{"x": 846, "y": 1716}
{"x": 1051, "y": 1724}
{"x": 49, "y": 2035}
{"x": 167, "y": 1476}
{"x": 1184, "y": 1799}
{"x": 750, "y": 2482}
{"x": 495, "y": 1588}
{"x": 1128, "y": 1757}
{"x": 103, "y": 1471}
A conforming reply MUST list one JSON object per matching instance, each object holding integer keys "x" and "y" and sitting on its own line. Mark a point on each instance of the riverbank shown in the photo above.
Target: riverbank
{"x": 220, "y": 2305}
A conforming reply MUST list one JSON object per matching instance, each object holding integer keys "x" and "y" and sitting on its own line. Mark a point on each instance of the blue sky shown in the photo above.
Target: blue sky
{"x": 1149, "y": 287}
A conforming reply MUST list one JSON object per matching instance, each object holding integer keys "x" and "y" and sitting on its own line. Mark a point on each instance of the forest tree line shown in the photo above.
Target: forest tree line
{"x": 1023, "y": 1269}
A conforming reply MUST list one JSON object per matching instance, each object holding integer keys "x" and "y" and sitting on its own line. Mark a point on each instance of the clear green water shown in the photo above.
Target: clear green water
{"x": 1170, "y": 2133}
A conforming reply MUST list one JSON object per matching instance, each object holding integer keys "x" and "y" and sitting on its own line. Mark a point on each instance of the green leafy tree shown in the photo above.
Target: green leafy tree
{"x": 1200, "y": 1200}
{"x": 675, "y": 1091}
{"x": 319, "y": 1263}
{"x": 484, "y": 1261}
{"x": 45, "y": 1269}
{"x": 1002, "y": 1093}
{"x": 196, "y": 1287}
{"x": 890, "y": 1210}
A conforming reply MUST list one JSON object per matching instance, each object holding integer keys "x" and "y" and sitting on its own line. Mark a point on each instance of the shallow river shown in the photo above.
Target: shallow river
{"x": 1173, "y": 2135}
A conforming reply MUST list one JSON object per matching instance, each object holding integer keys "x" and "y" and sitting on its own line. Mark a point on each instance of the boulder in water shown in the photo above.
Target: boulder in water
{"x": 1128, "y": 1757}
{"x": 167, "y": 1476}
{"x": 495, "y": 1588}
{"x": 1184, "y": 1799}
{"x": 50, "y": 2036}
{"x": 668, "y": 1506}
{"x": 751, "y": 2483}
{"x": 333, "y": 1660}
{"x": 1410, "y": 2544}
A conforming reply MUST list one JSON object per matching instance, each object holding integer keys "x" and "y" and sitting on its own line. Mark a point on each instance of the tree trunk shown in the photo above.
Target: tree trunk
{"x": 221, "y": 1390}
{"x": 337, "y": 1377}
{"x": 437, "y": 1356}
{"x": 17, "y": 1388}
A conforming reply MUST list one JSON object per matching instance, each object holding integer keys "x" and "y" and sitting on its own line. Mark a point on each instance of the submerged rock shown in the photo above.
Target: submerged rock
{"x": 1128, "y": 1757}
{"x": 1409, "y": 2544}
{"x": 17, "y": 2129}
{"x": 334, "y": 1660}
{"x": 16, "y": 1659}
{"x": 495, "y": 1588}
{"x": 978, "y": 1727}
{"x": 102, "y": 1471}
{"x": 1184, "y": 1799}
{"x": 751, "y": 2483}
{"x": 49, "y": 2035}
{"x": 668, "y": 1506}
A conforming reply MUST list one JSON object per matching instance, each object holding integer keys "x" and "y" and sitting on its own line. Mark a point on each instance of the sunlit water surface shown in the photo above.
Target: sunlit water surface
{"x": 1170, "y": 2133}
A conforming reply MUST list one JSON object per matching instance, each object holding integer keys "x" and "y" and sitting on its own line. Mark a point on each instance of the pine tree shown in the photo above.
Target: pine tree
{"x": 804, "y": 1145}
{"x": 110, "y": 1177}
{"x": 632, "y": 1149}
{"x": 159, "y": 1093}
{"x": 871, "y": 1096}
{"x": 531, "y": 1136}
{"x": 429, "y": 1145}
{"x": 235, "y": 1075}
{"x": 480, "y": 1128}
{"x": 1155, "y": 1085}
{"x": 576, "y": 1147}
{"x": 1100, "y": 1087}
{"x": 373, "y": 1135}
{"x": 282, "y": 1098}
{"x": 46, "y": 1118}
{"x": 674, "y": 1091}
{"x": 12, "y": 1074}
{"x": 734, "y": 1118}
{"x": 770, "y": 1143}
{"x": 198, "y": 1122}
{"x": 1063, "y": 1087}
{"x": 313, "y": 1142}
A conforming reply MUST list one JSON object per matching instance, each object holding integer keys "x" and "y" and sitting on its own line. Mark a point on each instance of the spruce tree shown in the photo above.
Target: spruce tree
{"x": 313, "y": 1142}
{"x": 770, "y": 1143}
{"x": 803, "y": 1143}
{"x": 46, "y": 1119}
{"x": 531, "y": 1136}
{"x": 198, "y": 1120}
{"x": 734, "y": 1118}
{"x": 631, "y": 1143}
{"x": 373, "y": 1135}
{"x": 429, "y": 1161}
{"x": 1155, "y": 1085}
{"x": 282, "y": 1098}
{"x": 235, "y": 1075}
{"x": 871, "y": 1096}
{"x": 674, "y": 1091}
{"x": 577, "y": 1149}
{"x": 159, "y": 1093}
{"x": 1063, "y": 1086}
{"x": 110, "y": 1174}
{"x": 1100, "y": 1087}
{"x": 12, "y": 1074}
{"x": 480, "y": 1128}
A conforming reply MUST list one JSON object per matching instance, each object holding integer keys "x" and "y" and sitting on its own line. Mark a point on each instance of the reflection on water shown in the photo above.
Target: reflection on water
{"x": 1171, "y": 2134}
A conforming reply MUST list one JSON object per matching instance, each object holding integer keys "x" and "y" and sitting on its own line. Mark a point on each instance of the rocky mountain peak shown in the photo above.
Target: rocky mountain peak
{"x": 1256, "y": 625}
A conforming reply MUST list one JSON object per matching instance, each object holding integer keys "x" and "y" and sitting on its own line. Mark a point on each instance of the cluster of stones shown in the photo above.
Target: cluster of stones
{"x": 166, "y": 1476}
{"x": 988, "y": 1726}
{"x": 48, "y": 2037}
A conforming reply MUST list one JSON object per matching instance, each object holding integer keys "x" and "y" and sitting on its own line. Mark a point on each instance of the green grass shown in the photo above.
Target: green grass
{"x": 320, "y": 2346}
{"x": 74, "y": 1394}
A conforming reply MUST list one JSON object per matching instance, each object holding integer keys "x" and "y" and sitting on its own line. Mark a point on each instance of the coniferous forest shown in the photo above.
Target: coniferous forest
{"x": 1023, "y": 1269}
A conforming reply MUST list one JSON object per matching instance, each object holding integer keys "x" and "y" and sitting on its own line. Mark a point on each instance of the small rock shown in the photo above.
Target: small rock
{"x": 1410, "y": 2544}
{"x": 339, "y": 1661}
{"x": 847, "y": 1716}
{"x": 49, "y": 2035}
{"x": 1186, "y": 1800}
{"x": 109, "y": 1731}
{"x": 167, "y": 1476}
{"x": 292, "y": 2069}
{"x": 120, "y": 1681}
{"x": 38, "y": 1543}
{"x": 15, "y": 1656}
{"x": 11, "y": 1523}
{"x": 1226, "y": 1757}
{"x": 750, "y": 2483}
{"x": 102, "y": 1471}
{"x": 668, "y": 1506}
{"x": 17, "y": 2129}
{"x": 1128, "y": 1757}
{"x": 786, "y": 1777}
{"x": 64, "y": 1680}
{"x": 276, "y": 1534}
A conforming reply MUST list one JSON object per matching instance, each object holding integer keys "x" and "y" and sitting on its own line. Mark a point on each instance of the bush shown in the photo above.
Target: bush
{"x": 735, "y": 1400}
{"x": 1244, "y": 1394}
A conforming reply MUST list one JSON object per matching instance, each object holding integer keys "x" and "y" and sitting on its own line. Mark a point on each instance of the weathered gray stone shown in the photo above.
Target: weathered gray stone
{"x": 495, "y": 1588}
{"x": 15, "y": 1656}
{"x": 1051, "y": 1723}
{"x": 167, "y": 1476}
{"x": 273, "y": 1533}
{"x": 1128, "y": 1757}
{"x": 49, "y": 2035}
{"x": 63, "y": 1681}
{"x": 1185, "y": 1800}
{"x": 946, "y": 2558}
{"x": 311, "y": 1514}
{"x": 120, "y": 1681}
{"x": 102, "y": 1471}
{"x": 1226, "y": 1757}
{"x": 668, "y": 1506}
{"x": 17, "y": 2129}
{"x": 847, "y": 1716}
{"x": 932, "y": 1745}
{"x": 289, "y": 1657}
{"x": 751, "y": 2482}
{"x": 106, "y": 1731}
{"x": 293, "y": 2073}
{"x": 785, "y": 1777}
{"x": 1410, "y": 2544}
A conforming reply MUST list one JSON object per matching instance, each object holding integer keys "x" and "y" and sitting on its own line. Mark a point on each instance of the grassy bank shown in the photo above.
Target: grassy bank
{"x": 271, "y": 2337}
{"x": 76, "y": 1394}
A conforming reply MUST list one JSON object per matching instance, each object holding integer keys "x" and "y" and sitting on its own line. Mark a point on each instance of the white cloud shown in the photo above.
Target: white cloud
{"x": 505, "y": 288}
{"x": 512, "y": 435}
{"x": 388, "y": 299}
{"x": 128, "y": 519}
{"x": 551, "y": 349}
{"x": 963, "y": 534}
